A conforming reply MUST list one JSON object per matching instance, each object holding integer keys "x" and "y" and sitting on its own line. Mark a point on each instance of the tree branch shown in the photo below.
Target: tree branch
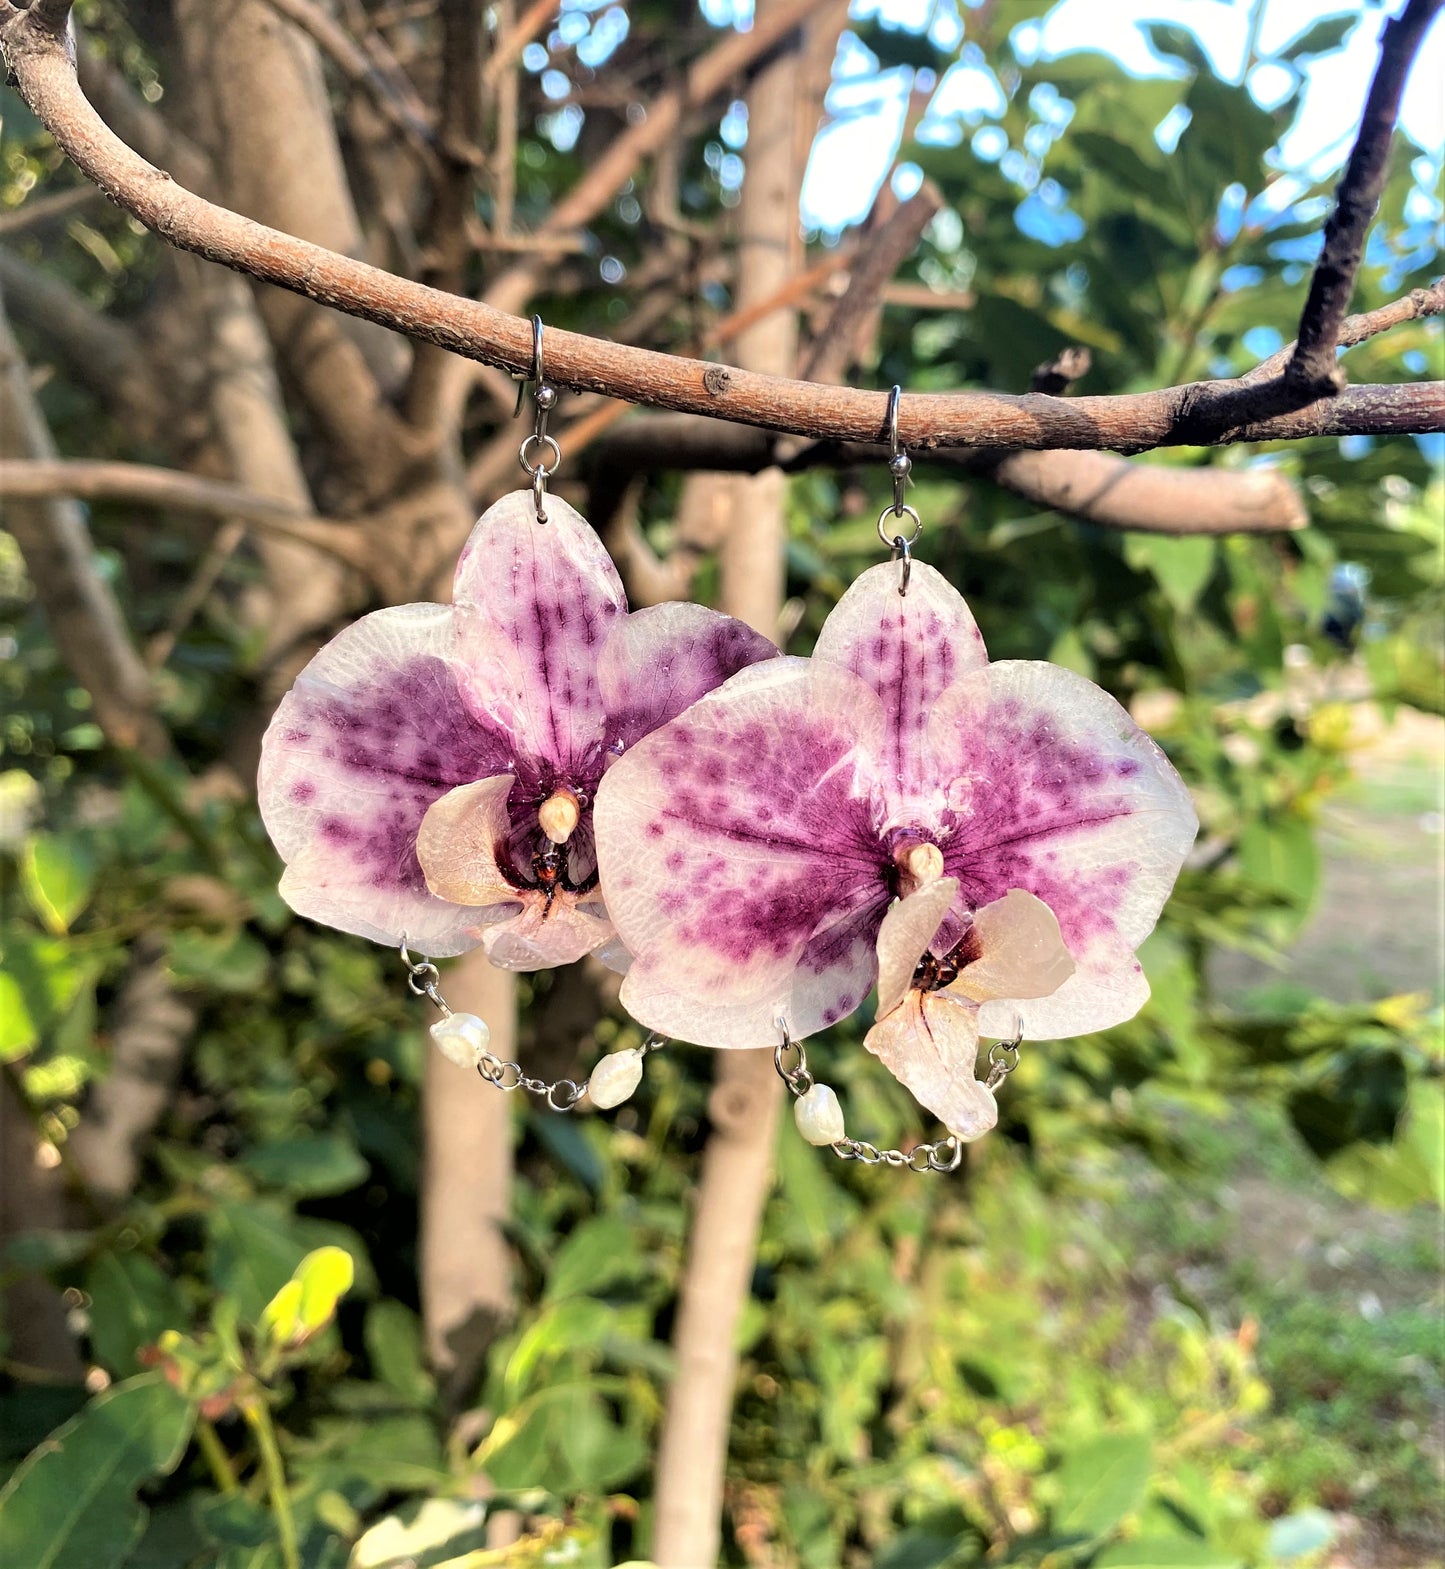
{"x": 103, "y": 480}
{"x": 84, "y": 618}
{"x": 100, "y": 354}
{"x": 1097, "y": 487}
{"x": 1415, "y": 306}
{"x": 1312, "y": 366}
{"x": 151, "y": 1028}
{"x": 1173, "y": 416}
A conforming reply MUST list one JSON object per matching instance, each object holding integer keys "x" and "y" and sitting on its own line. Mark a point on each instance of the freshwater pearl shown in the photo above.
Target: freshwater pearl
{"x": 614, "y": 1078}
{"x": 462, "y": 1038}
{"x": 819, "y": 1116}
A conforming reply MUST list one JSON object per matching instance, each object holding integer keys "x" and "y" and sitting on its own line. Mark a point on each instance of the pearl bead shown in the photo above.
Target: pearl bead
{"x": 615, "y": 1078}
{"x": 819, "y": 1116}
{"x": 462, "y": 1038}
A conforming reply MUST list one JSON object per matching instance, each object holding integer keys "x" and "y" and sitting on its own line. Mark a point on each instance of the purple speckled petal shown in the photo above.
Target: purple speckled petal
{"x": 910, "y": 649}
{"x": 930, "y": 1045}
{"x": 376, "y": 727}
{"x": 659, "y": 661}
{"x": 1058, "y": 792}
{"x": 831, "y": 977}
{"x": 904, "y": 936}
{"x": 737, "y": 846}
{"x": 535, "y": 603}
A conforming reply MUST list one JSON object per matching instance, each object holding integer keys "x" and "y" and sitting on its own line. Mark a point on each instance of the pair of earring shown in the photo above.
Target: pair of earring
{"x": 755, "y": 841}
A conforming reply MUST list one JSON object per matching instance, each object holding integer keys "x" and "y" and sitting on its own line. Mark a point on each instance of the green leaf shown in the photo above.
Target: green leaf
{"x": 393, "y": 1342}
{"x": 57, "y": 872}
{"x": 1409, "y": 1171}
{"x": 72, "y": 1505}
{"x": 1181, "y": 567}
{"x": 307, "y": 1302}
{"x": 1100, "y": 1482}
{"x": 228, "y": 961}
{"x": 17, "y": 1029}
{"x": 1165, "y": 1553}
{"x": 253, "y": 1254}
{"x": 1322, "y": 37}
{"x": 132, "y": 1302}
{"x": 599, "y": 1253}
{"x": 311, "y": 1166}
{"x": 1281, "y": 855}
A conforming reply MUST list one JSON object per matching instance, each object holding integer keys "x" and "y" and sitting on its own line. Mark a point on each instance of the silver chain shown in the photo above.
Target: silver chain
{"x": 945, "y": 1154}
{"x": 423, "y": 979}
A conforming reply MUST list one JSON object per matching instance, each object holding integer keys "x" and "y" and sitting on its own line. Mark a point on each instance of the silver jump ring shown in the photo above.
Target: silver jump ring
{"x": 550, "y": 444}
{"x": 890, "y": 536}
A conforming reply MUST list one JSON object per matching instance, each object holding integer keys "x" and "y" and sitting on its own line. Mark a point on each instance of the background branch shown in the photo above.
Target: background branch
{"x": 84, "y": 618}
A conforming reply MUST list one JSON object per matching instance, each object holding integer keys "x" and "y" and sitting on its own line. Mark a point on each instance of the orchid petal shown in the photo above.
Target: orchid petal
{"x": 1058, "y": 792}
{"x": 742, "y": 833}
{"x": 930, "y": 1045}
{"x": 907, "y": 930}
{"x": 1021, "y": 953}
{"x": 910, "y": 648}
{"x": 659, "y": 661}
{"x": 830, "y": 978}
{"x": 377, "y": 726}
{"x": 1109, "y": 990}
{"x": 535, "y": 603}
{"x": 548, "y": 933}
{"x": 459, "y": 839}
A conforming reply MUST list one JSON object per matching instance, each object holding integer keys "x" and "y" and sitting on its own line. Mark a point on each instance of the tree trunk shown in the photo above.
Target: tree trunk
{"x": 466, "y": 1271}
{"x": 744, "y": 1105}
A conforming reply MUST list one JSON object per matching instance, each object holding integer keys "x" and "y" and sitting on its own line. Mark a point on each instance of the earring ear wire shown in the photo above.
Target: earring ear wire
{"x": 900, "y": 468}
{"x": 539, "y": 455}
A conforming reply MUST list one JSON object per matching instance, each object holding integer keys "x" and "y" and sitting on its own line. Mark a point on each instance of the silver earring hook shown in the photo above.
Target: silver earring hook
{"x": 900, "y": 468}
{"x": 539, "y": 455}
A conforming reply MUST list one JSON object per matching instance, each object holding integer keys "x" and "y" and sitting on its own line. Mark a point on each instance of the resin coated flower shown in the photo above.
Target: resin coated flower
{"x": 432, "y": 771}
{"x": 753, "y": 846}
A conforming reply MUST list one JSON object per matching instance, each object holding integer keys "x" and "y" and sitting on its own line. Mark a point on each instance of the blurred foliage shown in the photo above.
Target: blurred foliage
{"x": 1020, "y": 1364}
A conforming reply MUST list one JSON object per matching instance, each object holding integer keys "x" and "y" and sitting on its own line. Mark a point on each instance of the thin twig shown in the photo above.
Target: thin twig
{"x": 398, "y": 105}
{"x": 1127, "y": 422}
{"x": 1414, "y": 306}
{"x": 516, "y": 38}
{"x": 41, "y": 210}
{"x": 1357, "y": 197}
{"x": 884, "y": 248}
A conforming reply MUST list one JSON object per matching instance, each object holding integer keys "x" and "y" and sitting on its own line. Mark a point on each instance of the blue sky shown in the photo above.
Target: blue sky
{"x": 855, "y": 153}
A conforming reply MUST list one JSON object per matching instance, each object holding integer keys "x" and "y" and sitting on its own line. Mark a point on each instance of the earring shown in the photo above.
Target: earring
{"x": 987, "y": 844}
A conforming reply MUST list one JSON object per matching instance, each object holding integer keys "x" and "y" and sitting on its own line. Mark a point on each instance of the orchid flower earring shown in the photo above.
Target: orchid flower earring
{"x": 429, "y": 780}
{"x": 988, "y": 843}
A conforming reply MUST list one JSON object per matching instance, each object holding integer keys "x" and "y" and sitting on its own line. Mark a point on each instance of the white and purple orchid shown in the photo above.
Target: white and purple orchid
{"x": 753, "y": 848}
{"x": 432, "y": 772}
